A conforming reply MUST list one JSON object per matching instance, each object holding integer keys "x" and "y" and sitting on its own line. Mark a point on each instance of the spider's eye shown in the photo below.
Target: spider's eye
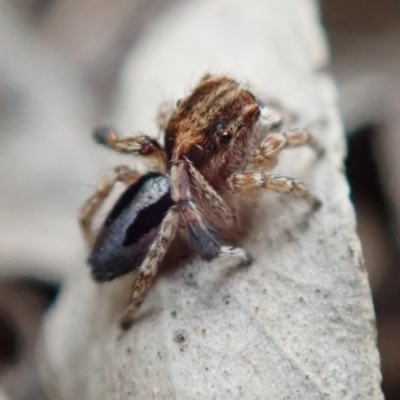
{"x": 239, "y": 126}
{"x": 178, "y": 102}
{"x": 226, "y": 136}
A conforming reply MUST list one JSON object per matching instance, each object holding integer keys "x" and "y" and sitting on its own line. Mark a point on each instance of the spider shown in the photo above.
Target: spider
{"x": 216, "y": 141}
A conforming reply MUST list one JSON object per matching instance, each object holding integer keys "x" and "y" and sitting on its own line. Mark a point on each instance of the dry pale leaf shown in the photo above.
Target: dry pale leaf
{"x": 3, "y": 396}
{"x": 298, "y": 323}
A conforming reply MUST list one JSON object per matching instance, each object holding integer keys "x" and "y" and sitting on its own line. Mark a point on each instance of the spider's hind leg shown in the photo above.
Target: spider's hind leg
{"x": 149, "y": 268}
{"x": 119, "y": 174}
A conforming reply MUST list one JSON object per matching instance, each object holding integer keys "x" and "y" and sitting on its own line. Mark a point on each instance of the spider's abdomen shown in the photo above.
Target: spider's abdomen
{"x": 130, "y": 227}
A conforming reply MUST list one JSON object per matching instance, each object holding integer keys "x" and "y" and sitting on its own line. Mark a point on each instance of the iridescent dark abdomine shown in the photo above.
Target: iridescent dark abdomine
{"x": 130, "y": 227}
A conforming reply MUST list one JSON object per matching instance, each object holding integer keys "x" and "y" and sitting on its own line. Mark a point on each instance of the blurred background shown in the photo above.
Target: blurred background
{"x": 59, "y": 67}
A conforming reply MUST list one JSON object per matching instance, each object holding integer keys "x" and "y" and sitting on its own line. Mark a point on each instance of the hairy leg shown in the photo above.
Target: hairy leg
{"x": 200, "y": 234}
{"x": 148, "y": 270}
{"x": 137, "y": 145}
{"x": 93, "y": 204}
{"x": 267, "y": 151}
{"x": 213, "y": 200}
{"x": 249, "y": 182}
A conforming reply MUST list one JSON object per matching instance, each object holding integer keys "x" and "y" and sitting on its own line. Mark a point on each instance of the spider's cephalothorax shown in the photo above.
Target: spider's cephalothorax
{"x": 211, "y": 128}
{"x": 212, "y": 145}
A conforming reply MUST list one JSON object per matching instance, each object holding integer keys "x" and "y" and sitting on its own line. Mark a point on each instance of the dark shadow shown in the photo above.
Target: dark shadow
{"x": 367, "y": 191}
{"x": 10, "y": 342}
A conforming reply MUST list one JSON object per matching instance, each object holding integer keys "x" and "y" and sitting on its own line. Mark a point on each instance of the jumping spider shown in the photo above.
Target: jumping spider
{"x": 214, "y": 143}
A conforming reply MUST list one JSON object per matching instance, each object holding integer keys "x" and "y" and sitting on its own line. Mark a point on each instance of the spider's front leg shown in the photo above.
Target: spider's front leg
{"x": 199, "y": 232}
{"x": 268, "y": 150}
{"x": 119, "y": 174}
{"x": 249, "y": 182}
{"x": 201, "y": 235}
{"x": 265, "y": 156}
{"x": 148, "y": 270}
{"x": 212, "y": 199}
